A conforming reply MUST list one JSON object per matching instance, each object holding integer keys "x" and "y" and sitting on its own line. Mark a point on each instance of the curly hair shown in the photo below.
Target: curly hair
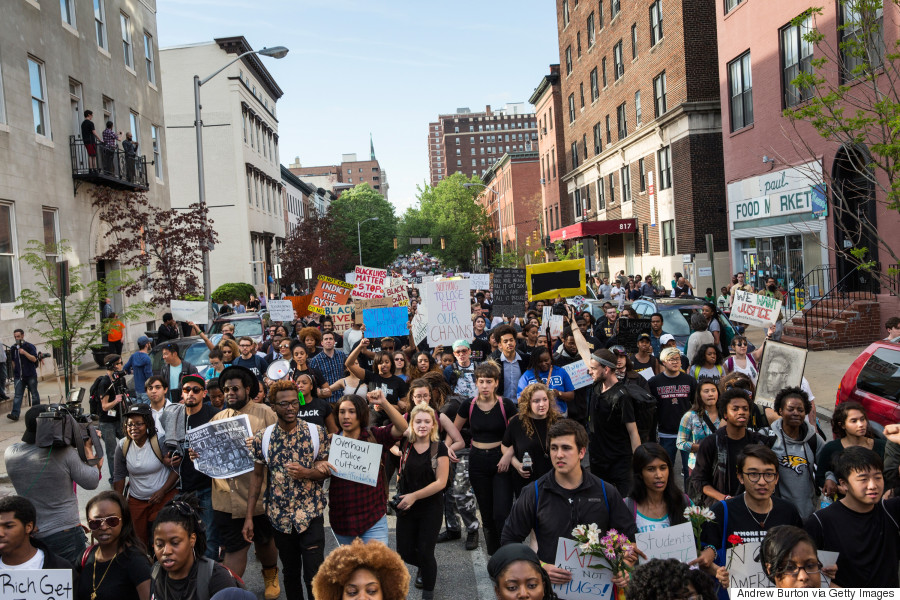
{"x": 525, "y": 407}
{"x": 310, "y": 331}
{"x": 412, "y": 368}
{"x": 232, "y": 345}
{"x": 280, "y": 386}
{"x": 440, "y": 389}
{"x": 841, "y": 412}
{"x": 341, "y": 563}
{"x": 782, "y": 396}
{"x": 667, "y": 580}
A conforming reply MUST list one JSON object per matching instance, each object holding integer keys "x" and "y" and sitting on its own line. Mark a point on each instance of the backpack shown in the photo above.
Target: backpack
{"x": 95, "y": 393}
{"x": 154, "y": 444}
{"x": 645, "y": 409}
{"x": 267, "y": 437}
{"x": 502, "y": 409}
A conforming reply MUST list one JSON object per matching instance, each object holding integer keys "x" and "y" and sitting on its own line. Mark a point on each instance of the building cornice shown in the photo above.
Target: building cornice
{"x": 239, "y": 45}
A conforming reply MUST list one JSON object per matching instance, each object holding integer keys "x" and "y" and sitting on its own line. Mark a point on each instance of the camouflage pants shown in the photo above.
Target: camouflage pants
{"x": 459, "y": 497}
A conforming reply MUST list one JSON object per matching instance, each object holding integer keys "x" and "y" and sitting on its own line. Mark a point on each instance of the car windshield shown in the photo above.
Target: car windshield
{"x": 197, "y": 355}
{"x": 881, "y": 374}
{"x": 676, "y": 321}
{"x": 242, "y": 327}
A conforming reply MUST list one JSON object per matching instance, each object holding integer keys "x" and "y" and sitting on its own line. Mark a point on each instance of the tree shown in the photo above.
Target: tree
{"x": 850, "y": 95}
{"x": 377, "y": 237}
{"x": 316, "y": 244}
{"x": 162, "y": 244}
{"x": 41, "y": 302}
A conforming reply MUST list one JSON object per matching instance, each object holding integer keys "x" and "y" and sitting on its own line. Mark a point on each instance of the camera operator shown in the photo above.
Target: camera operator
{"x": 25, "y": 360}
{"x": 107, "y": 402}
{"x": 45, "y": 477}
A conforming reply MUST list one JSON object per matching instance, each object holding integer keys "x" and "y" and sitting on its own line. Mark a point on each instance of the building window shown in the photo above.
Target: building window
{"x": 634, "y": 41}
{"x": 645, "y": 238}
{"x": 612, "y": 189}
{"x": 656, "y": 22}
{"x": 741, "y": 86}
{"x": 664, "y": 160}
{"x": 67, "y": 9}
{"x": 796, "y": 58}
{"x": 574, "y": 155}
{"x": 568, "y": 60}
{"x": 148, "y": 57}
{"x": 608, "y": 134}
{"x": 109, "y": 110}
{"x": 637, "y": 108}
{"x": 553, "y": 162}
{"x": 659, "y": 94}
{"x": 591, "y": 31}
{"x": 135, "y": 127}
{"x": 578, "y": 43}
{"x": 625, "y": 176}
{"x": 581, "y": 93}
{"x": 244, "y": 125}
{"x": 595, "y": 86}
{"x": 730, "y": 4}
{"x": 598, "y": 139}
{"x": 565, "y": 11}
{"x": 618, "y": 64}
{"x": 642, "y": 176}
{"x": 600, "y": 13}
{"x": 2, "y": 99}
{"x": 622, "y": 121}
{"x": 51, "y": 232}
{"x": 614, "y": 7}
{"x": 157, "y": 155}
{"x": 571, "y": 108}
{"x": 603, "y": 68}
{"x": 584, "y": 145}
{"x": 601, "y": 194}
{"x": 39, "y": 97}
{"x": 668, "y": 232}
{"x": 8, "y": 259}
{"x": 862, "y": 38}
{"x": 100, "y": 23}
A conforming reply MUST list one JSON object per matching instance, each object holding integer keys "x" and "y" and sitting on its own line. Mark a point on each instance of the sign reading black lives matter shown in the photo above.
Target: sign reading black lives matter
{"x": 222, "y": 448}
{"x": 509, "y": 292}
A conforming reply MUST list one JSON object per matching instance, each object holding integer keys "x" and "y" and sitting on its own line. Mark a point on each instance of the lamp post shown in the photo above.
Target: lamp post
{"x": 359, "y": 238}
{"x": 499, "y": 209}
{"x": 274, "y": 52}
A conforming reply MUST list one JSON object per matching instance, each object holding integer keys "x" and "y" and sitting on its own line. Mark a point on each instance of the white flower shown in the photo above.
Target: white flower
{"x": 594, "y": 529}
{"x": 593, "y": 537}
{"x": 707, "y": 514}
{"x": 584, "y": 548}
{"x": 580, "y": 531}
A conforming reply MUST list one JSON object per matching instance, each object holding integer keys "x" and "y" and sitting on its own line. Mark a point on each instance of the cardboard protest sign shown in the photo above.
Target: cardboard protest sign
{"x": 510, "y": 292}
{"x": 341, "y": 316}
{"x": 397, "y": 292}
{"x": 301, "y": 304}
{"x": 449, "y": 312}
{"x": 554, "y": 322}
{"x": 188, "y": 310}
{"x": 221, "y": 448}
{"x": 361, "y": 304}
{"x": 350, "y": 278}
{"x": 578, "y": 373}
{"x": 385, "y": 322}
{"x": 419, "y": 326}
{"x": 670, "y": 542}
{"x": 755, "y": 309}
{"x": 744, "y": 570}
{"x": 546, "y": 281}
{"x": 355, "y": 460}
{"x": 480, "y": 281}
{"x": 280, "y": 310}
{"x": 36, "y": 584}
{"x": 329, "y": 292}
{"x": 587, "y": 583}
{"x": 369, "y": 282}
{"x": 629, "y": 330}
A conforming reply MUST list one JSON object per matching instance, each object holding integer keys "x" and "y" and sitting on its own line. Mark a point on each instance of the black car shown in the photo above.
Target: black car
{"x": 677, "y": 313}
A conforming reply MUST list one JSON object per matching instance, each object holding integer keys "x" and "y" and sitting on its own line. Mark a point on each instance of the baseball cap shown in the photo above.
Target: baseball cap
{"x": 142, "y": 340}
{"x": 644, "y": 336}
{"x": 193, "y": 377}
{"x": 461, "y": 344}
{"x": 665, "y": 339}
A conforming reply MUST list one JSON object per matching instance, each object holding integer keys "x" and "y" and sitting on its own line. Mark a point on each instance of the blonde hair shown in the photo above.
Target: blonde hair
{"x": 235, "y": 350}
{"x": 423, "y": 408}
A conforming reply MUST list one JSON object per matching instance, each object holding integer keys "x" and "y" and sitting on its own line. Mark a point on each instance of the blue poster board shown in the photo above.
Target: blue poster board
{"x": 386, "y": 322}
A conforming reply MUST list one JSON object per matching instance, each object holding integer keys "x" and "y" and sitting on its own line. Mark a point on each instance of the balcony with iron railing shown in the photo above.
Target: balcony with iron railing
{"x": 110, "y": 167}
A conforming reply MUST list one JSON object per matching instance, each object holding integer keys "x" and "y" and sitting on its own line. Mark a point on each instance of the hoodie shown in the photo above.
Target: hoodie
{"x": 797, "y": 466}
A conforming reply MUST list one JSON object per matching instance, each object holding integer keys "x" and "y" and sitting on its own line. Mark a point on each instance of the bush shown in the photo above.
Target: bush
{"x": 230, "y": 291}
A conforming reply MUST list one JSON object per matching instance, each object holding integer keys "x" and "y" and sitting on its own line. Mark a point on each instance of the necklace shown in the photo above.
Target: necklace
{"x": 94, "y": 584}
{"x": 762, "y": 524}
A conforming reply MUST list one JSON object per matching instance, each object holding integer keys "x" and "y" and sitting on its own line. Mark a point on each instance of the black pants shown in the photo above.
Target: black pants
{"x": 493, "y": 492}
{"x": 416, "y": 537}
{"x": 296, "y": 550}
{"x": 616, "y": 471}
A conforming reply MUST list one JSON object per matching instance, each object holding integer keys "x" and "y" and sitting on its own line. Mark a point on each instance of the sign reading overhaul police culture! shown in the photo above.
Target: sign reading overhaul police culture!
{"x": 449, "y": 312}
{"x": 36, "y": 584}
{"x": 509, "y": 292}
{"x": 588, "y": 582}
{"x": 222, "y": 451}
{"x": 755, "y": 309}
{"x": 385, "y": 322}
{"x": 355, "y": 460}
{"x": 369, "y": 282}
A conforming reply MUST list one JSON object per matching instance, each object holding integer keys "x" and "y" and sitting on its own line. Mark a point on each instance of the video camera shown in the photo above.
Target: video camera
{"x": 119, "y": 384}
{"x": 62, "y": 425}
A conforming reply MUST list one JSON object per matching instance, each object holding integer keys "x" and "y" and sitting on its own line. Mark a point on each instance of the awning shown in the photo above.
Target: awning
{"x": 591, "y": 228}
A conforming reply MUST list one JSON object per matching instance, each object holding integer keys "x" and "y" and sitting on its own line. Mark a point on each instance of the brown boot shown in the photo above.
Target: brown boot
{"x": 273, "y": 589}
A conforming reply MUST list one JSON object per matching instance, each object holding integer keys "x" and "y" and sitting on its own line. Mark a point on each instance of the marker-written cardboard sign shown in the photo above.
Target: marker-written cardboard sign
{"x": 629, "y": 330}
{"x": 369, "y": 282}
{"x": 341, "y": 316}
{"x": 280, "y": 310}
{"x": 744, "y": 570}
{"x": 449, "y": 312}
{"x": 480, "y": 281}
{"x": 420, "y": 326}
{"x": 670, "y": 542}
{"x": 36, "y": 584}
{"x": 755, "y": 309}
{"x": 355, "y": 460}
{"x": 329, "y": 292}
{"x": 385, "y": 322}
{"x": 510, "y": 292}
{"x": 397, "y": 292}
{"x": 554, "y": 322}
{"x": 578, "y": 373}
{"x": 360, "y": 304}
{"x": 587, "y": 583}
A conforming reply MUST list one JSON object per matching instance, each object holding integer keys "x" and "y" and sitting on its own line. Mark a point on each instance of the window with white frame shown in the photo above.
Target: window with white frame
{"x": 148, "y": 58}
{"x": 100, "y": 23}
{"x": 740, "y": 84}
{"x": 127, "y": 49}
{"x": 51, "y": 232}
{"x": 39, "y": 110}
{"x": 8, "y": 259}
{"x": 67, "y": 10}
{"x": 625, "y": 177}
{"x": 668, "y": 234}
{"x": 135, "y": 127}
{"x": 157, "y": 155}
{"x": 664, "y": 160}
{"x": 109, "y": 110}
{"x": 637, "y": 108}
{"x": 656, "y": 23}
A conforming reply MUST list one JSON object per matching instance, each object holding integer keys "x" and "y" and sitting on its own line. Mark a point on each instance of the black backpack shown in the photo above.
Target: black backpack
{"x": 645, "y": 409}
{"x": 96, "y": 392}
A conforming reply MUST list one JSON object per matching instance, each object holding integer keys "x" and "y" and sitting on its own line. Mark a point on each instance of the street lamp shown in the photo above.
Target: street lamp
{"x": 274, "y": 52}
{"x": 499, "y": 208}
{"x": 359, "y": 239}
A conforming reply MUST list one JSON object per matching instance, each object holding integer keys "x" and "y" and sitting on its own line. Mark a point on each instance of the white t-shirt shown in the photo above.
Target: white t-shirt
{"x": 35, "y": 562}
{"x": 146, "y": 473}
{"x": 645, "y": 524}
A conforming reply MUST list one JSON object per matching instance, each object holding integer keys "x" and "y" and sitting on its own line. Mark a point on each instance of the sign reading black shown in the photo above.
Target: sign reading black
{"x": 509, "y": 292}
{"x": 629, "y": 330}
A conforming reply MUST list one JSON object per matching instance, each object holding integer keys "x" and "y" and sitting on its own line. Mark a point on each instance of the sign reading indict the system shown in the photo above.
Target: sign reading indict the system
{"x": 355, "y": 460}
{"x": 385, "y": 322}
{"x": 755, "y": 309}
{"x": 449, "y": 312}
{"x": 369, "y": 282}
{"x": 222, "y": 451}
{"x": 36, "y": 584}
{"x": 329, "y": 292}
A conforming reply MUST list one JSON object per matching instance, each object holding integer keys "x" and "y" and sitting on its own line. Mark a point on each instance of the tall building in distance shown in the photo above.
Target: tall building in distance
{"x": 351, "y": 172}
{"x": 471, "y": 142}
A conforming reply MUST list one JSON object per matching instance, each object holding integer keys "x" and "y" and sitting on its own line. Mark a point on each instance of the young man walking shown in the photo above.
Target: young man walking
{"x": 674, "y": 391}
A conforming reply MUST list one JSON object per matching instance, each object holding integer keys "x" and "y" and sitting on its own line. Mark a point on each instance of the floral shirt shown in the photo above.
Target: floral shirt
{"x": 292, "y": 503}
{"x": 692, "y": 430}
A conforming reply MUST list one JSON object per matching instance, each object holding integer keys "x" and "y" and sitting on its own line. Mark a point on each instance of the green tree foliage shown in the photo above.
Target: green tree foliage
{"x": 377, "y": 237}
{"x": 233, "y": 291}
{"x": 448, "y": 211}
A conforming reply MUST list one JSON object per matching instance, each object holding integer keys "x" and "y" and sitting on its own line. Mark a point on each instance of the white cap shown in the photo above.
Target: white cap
{"x": 665, "y": 339}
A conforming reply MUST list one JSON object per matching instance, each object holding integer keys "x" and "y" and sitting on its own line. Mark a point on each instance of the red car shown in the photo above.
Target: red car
{"x": 873, "y": 380}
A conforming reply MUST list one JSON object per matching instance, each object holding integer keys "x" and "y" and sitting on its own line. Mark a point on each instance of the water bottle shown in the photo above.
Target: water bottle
{"x": 526, "y": 463}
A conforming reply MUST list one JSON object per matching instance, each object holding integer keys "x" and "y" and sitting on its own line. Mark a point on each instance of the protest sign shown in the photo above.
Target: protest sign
{"x": 221, "y": 448}
{"x": 587, "y": 583}
{"x": 546, "y": 281}
{"x": 578, "y": 373}
{"x": 449, "y": 312}
{"x": 369, "y": 282}
{"x": 386, "y": 322}
{"x": 629, "y": 330}
{"x": 341, "y": 316}
{"x": 188, "y": 310}
{"x": 480, "y": 281}
{"x": 755, "y": 309}
{"x": 397, "y": 292}
{"x": 329, "y": 292}
{"x": 554, "y": 322}
{"x": 744, "y": 570}
{"x": 36, "y": 584}
{"x": 355, "y": 460}
{"x": 670, "y": 542}
{"x": 510, "y": 292}
{"x": 427, "y": 278}
{"x": 280, "y": 310}
{"x": 300, "y": 304}
{"x": 360, "y": 304}
{"x": 419, "y": 326}
{"x": 350, "y": 278}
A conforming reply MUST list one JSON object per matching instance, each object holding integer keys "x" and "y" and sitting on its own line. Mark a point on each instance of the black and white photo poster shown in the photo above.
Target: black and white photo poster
{"x": 221, "y": 447}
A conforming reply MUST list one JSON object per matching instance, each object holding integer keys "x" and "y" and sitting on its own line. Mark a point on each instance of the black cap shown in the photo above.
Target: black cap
{"x": 242, "y": 373}
{"x": 644, "y": 336}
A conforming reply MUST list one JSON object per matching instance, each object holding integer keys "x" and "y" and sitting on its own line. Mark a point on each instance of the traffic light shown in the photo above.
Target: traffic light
{"x": 443, "y": 244}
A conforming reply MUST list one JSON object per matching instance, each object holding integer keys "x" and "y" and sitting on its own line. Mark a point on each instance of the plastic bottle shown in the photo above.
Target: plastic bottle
{"x": 526, "y": 463}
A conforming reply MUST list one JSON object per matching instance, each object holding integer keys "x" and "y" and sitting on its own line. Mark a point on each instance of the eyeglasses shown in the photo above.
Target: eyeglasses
{"x": 191, "y": 390}
{"x": 398, "y": 359}
{"x": 113, "y": 521}
{"x": 134, "y": 425}
{"x": 421, "y": 396}
{"x": 753, "y": 476}
{"x": 287, "y": 404}
{"x": 811, "y": 568}
{"x": 230, "y": 388}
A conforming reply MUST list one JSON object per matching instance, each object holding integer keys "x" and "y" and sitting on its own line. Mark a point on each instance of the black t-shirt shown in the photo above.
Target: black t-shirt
{"x": 487, "y": 427}
{"x": 536, "y": 445}
{"x": 673, "y": 396}
{"x": 316, "y": 374}
{"x": 417, "y": 473}
{"x": 451, "y": 409}
{"x": 393, "y": 387}
{"x": 868, "y": 543}
{"x": 87, "y": 132}
{"x": 192, "y": 479}
{"x": 128, "y": 570}
{"x": 742, "y": 523}
{"x": 481, "y": 349}
{"x": 609, "y": 436}
{"x": 186, "y": 589}
{"x": 640, "y": 366}
{"x": 109, "y": 394}
{"x": 253, "y": 305}
{"x": 315, "y": 411}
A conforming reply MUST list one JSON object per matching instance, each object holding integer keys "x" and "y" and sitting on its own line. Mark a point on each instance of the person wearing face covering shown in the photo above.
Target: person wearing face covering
{"x": 516, "y": 572}
{"x": 772, "y": 291}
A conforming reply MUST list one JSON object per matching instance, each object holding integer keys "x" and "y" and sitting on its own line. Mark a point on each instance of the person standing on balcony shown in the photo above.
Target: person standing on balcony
{"x": 110, "y": 140}
{"x": 130, "y": 147}
{"x": 90, "y": 138}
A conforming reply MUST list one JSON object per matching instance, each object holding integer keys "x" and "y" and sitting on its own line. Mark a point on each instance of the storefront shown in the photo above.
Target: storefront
{"x": 778, "y": 227}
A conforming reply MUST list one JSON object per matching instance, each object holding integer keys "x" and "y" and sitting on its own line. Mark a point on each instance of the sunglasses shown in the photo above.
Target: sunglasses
{"x": 95, "y": 524}
{"x": 191, "y": 390}
{"x": 230, "y": 388}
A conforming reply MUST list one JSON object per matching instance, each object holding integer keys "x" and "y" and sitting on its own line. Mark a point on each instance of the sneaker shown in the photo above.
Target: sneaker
{"x": 428, "y": 595}
{"x": 419, "y": 584}
{"x": 273, "y": 589}
{"x": 472, "y": 540}
{"x": 12, "y": 417}
{"x": 448, "y": 535}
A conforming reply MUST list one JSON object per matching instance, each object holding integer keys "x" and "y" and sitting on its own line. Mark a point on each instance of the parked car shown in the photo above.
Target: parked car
{"x": 245, "y": 324}
{"x": 873, "y": 380}
{"x": 192, "y": 349}
{"x": 677, "y": 313}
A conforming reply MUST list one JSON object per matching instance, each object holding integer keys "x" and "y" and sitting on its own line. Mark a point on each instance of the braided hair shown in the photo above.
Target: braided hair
{"x": 184, "y": 510}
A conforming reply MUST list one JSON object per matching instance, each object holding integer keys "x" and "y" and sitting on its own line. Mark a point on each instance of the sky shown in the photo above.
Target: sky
{"x": 385, "y": 67}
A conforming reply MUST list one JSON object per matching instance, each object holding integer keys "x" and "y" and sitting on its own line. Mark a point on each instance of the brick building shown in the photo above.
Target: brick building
{"x": 351, "y": 171}
{"x": 470, "y": 143}
{"x": 642, "y": 135}
{"x": 513, "y": 199}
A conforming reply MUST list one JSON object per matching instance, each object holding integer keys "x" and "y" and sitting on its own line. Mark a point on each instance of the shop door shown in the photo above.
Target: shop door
{"x": 629, "y": 254}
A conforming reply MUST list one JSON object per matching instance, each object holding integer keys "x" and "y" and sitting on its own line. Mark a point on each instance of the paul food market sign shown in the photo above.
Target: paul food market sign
{"x": 787, "y": 192}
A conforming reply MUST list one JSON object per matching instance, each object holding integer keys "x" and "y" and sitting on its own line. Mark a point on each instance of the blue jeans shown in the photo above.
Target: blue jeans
{"x": 68, "y": 543}
{"x": 31, "y": 382}
{"x": 378, "y": 531}
{"x": 142, "y": 398}
{"x": 204, "y": 497}
{"x": 669, "y": 444}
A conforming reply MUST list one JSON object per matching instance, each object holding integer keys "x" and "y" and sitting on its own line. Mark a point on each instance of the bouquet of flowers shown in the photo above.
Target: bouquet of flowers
{"x": 612, "y": 547}
{"x": 698, "y": 515}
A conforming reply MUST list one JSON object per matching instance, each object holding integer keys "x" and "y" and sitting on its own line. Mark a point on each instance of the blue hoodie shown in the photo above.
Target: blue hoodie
{"x": 139, "y": 363}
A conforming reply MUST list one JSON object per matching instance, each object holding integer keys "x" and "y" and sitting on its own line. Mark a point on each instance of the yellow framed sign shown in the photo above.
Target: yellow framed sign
{"x": 546, "y": 281}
